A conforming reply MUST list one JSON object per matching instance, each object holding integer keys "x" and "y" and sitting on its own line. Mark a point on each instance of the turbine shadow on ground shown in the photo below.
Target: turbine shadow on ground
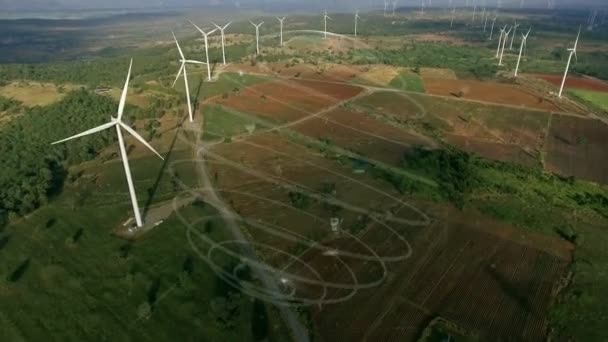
{"x": 154, "y": 188}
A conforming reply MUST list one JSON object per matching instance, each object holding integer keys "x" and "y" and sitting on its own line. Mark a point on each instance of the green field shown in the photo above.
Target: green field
{"x": 408, "y": 81}
{"x": 596, "y": 98}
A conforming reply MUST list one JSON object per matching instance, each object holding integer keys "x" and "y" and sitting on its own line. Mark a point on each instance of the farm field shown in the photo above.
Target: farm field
{"x": 597, "y": 98}
{"x": 271, "y": 101}
{"x": 490, "y": 92}
{"x": 34, "y": 93}
{"x": 491, "y": 285}
{"x": 584, "y": 83}
{"x": 571, "y": 142}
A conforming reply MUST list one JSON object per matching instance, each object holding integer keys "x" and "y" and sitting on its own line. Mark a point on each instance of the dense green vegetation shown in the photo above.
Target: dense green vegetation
{"x": 9, "y": 105}
{"x": 32, "y": 169}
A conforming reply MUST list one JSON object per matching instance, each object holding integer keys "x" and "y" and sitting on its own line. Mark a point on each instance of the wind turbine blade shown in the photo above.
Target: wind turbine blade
{"x": 198, "y": 28}
{"x": 87, "y": 132}
{"x": 225, "y": 26}
{"x": 123, "y": 96}
{"x": 138, "y": 137}
{"x": 212, "y": 31}
{"x": 179, "y": 73}
{"x": 178, "y": 47}
{"x": 251, "y": 22}
{"x": 216, "y": 25}
{"x": 194, "y": 62}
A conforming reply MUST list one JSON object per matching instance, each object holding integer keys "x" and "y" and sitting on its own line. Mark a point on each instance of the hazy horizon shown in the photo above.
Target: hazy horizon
{"x": 80, "y": 5}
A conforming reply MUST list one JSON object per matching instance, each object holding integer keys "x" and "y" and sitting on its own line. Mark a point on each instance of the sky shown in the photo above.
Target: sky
{"x": 57, "y": 5}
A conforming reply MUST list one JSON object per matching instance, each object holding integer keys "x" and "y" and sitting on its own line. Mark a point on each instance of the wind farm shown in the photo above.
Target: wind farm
{"x": 336, "y": 173}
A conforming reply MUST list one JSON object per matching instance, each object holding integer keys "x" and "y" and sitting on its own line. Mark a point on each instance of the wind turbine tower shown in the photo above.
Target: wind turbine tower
{"x": 572, "y": 52}
{"x": 502, "y": 33}
{"x": 205, "y": 35}
{"x": 513, "y": 36}
{"x": 117, "y": 122}
{"x": 524, "y": 37}
{"x": 492, "y": 29}
{"x": 453, "y": 14}
{"x": 182, "y": 69}
{"x": 257, "y": 36}
{"x": 485, "y": 22}
{"x": 504, "y": 42}
{"x": 474, "y": 13}
{"x": 394, "y": 6}
{"x": 386, "y": 2}
{"x": 281, "y": 23}
{"x": 223, "y": 38}
{"x": 325, "y": 17}
{"x": 357, "y": 17}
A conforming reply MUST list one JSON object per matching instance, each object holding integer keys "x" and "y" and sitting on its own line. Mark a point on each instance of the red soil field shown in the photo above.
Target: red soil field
{"x": 362, "y": 134}
{"x": 488, "y": 92}
{"x": 495, "y": 150}
{"x": 284, "y": 100}
{"x": 586, "y": 83}
{"x": 577, "y": 147}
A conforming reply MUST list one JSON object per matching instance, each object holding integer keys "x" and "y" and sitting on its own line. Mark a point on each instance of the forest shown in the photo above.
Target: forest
{"x": 32, "y": 170}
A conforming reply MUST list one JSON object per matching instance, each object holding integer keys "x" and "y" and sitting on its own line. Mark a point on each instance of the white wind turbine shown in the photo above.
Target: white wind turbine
{"x": 504, "y": 42}
{"x": 386, "y": 2}
{"x": 325, "y": 17}
{"x": 474, "y": 13}
{"x": 524, "y": 37}
{"x": 394, "y": 6}
{"x": 485, "y": 22}
{"x": 222, "y": 28}
{"x": 502, "y": 32}
{"x": 117, "y": 122}
{"x": 513, "y": 36}
{"x": 453, "y": 14}
{"x": 205, "y": 35}
{"x": 281, "y": 22}
{"x": 357, "y": 17}
{"x": 182, "y": 69}
{"x": 257, "y": 36}
{"x": 492, "y": 29}
{"x": 422, "y": 8}
{"x": 572, "y": 52}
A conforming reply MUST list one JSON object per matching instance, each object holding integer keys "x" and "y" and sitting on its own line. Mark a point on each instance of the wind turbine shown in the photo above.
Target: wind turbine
{"x": 257, "y": 36}
{"x": 513, "y": 36}
{"x": 504, "y": 42}
{"x": 474, "y": 13}
{"x": 485, "y": 22}
{"x": 325, "y": 17}
{"x": 182, "y": 68}
{"x": 223, "y": 39}
{"x": 572, "y": 52}
{"x": 492, "y": 30}
{"x": 521, "y": 49}
{"x": 502, "y": 32}
{"x": 205, "y": 35}
{"x": 453, "y": 14}
{"x": 422, "y": 8}
{"x": 117, "y": 122}
{"x": 281, "y": 21}
{"x": 357, "y": 17}
{"x": 394, "y": 6}
{"x": 385, "y": 6}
